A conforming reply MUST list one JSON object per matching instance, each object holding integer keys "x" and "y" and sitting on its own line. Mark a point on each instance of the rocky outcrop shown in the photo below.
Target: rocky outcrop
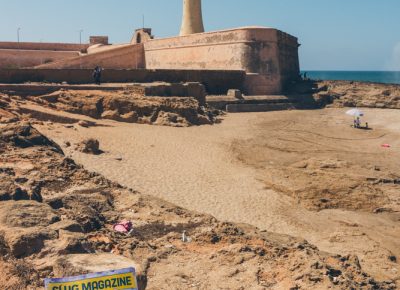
{"x": 69, "y": 229}
{"x": 358, "y": 94}
{"x": 24, "y": 136}
{"x": 125, "y": 106}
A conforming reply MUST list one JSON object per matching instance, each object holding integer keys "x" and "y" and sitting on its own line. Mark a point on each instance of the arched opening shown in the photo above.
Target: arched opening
{"x": 138, "y": 38}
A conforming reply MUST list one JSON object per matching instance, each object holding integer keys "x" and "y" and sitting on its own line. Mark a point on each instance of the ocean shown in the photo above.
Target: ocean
{"x": 388, "y": 77}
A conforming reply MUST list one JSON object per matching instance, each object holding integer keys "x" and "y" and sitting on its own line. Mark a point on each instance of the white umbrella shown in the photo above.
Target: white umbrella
{"x": 355, "y": 113}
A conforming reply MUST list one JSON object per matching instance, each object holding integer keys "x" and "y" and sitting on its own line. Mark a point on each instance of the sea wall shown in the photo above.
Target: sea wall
{"x": 215, "y": 81}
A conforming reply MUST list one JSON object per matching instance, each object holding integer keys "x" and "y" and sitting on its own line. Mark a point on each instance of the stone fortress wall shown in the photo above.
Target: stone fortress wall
{"x": 14, "y": 58}
{"x": 108, "y": 57}
{"x": 268, "y": 56}
{"x": 31, "y": 54}
{"x": 44, "y": 46}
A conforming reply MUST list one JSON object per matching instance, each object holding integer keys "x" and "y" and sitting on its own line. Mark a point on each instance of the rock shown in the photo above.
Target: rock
{"x": 90, "y": 146}
{"x": 203, "y": 120}
{"x": 170, "y": 119}
{"x": 86, "y": 124}
{"x": 24, "y": 136}
{"x": 10, "y": 191}
{"x": 24, "y": 225}
{"x": 111, "y": 115}
{"x": 131, "y": 107}
{"x": 67, "y": 225}
{"x": 131, "y": 117}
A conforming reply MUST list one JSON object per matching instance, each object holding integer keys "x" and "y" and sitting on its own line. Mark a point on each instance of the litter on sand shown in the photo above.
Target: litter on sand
{"x": 123, "y": 227}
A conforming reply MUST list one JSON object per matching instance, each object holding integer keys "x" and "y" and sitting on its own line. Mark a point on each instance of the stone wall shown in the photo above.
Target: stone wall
{"x": 215, "y": 81}
{"x": 120, "y": 57}
{"x": 29, "y": 58}
{"x": 259, "y": 51}
{"x": 93, "y": 40}
{"x": 44, "y": 46}
{"x": 288, "y": 58}
{"x": 268, "y": 56}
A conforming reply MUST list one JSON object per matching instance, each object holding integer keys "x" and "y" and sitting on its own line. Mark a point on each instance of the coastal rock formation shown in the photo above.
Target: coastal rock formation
{"x": 358, "y": 94}
{"x": 129, "y": 107}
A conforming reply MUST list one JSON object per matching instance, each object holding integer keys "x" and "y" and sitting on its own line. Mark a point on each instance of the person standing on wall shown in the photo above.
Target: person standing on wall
{"x": 97, "y": 75}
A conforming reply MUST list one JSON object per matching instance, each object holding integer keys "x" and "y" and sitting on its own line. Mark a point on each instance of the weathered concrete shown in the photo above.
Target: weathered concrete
{"x": 192, "y": 20}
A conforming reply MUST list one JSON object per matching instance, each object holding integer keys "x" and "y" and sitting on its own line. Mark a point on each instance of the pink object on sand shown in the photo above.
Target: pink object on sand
{"x": 123, "y": 227}
{"x": 386, "y": 145}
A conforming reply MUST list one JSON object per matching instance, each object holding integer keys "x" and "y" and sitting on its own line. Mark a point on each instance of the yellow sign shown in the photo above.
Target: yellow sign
{"x": 111, "y": 280}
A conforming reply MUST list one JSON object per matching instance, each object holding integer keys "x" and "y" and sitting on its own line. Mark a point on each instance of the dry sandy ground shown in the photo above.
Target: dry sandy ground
{"x": 227, "y": 170}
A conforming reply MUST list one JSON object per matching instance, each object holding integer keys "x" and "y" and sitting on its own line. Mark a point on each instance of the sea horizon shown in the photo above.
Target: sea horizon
{"x": 386, "y": 77}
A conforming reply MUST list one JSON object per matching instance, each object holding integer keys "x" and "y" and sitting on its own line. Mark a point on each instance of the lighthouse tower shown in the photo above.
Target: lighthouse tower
{"x": 192, "y": 21}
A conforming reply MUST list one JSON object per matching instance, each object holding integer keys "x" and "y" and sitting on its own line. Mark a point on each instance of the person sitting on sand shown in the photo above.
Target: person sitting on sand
{"x": 358, "y": 122}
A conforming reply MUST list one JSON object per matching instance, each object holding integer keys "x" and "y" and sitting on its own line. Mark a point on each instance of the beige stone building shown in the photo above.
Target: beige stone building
{"x": 267, "y": 55}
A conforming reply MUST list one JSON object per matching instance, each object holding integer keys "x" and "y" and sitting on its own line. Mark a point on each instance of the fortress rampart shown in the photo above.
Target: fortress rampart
{"x": 10, "y": 58}
{"x": 44, "y": 46}
{"x": 268, "y": 56}
{"x": 129, "y": 56}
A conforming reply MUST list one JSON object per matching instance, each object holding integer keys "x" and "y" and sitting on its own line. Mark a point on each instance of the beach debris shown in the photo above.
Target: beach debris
{"x": 386, "y": 145}
{"x": 123, "y": 227}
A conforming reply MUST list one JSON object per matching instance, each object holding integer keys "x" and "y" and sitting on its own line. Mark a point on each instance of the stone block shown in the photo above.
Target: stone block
{"x": 237, "y": 94}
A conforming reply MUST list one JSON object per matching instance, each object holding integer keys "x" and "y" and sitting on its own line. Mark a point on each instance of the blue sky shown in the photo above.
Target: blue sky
{"x": 335, "y": 34}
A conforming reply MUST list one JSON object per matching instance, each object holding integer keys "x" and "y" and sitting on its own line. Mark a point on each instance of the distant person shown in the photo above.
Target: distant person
{"x": 358, "y": 122}
{"x": 97, "y": 75}
{"x": 305, "y": 76}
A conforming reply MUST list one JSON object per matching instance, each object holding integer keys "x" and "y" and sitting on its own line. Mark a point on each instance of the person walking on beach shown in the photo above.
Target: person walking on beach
{"x": 97, "y": 75}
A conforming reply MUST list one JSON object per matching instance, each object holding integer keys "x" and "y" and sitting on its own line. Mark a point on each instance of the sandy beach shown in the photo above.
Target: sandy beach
{"x": 225, "y": 170}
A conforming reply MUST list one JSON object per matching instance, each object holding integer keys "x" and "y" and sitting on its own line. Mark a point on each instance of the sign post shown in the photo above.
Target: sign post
{"x": 110, "y": 280}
